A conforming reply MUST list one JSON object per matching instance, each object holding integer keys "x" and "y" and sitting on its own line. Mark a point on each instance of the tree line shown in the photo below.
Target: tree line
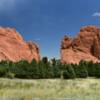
{"x": 45, "y": 69}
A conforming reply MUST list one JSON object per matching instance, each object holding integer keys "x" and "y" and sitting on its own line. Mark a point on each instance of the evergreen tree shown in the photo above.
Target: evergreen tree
{"x": 68, "y": 72}
{"x": 82, "y": 70}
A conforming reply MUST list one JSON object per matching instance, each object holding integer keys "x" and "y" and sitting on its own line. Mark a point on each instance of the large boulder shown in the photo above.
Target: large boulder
{"x": 14, "y": 48}
{"x": 85, "y": 46}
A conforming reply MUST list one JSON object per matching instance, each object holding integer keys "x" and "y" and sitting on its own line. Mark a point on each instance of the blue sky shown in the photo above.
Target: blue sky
{"x": 47, "y": 21}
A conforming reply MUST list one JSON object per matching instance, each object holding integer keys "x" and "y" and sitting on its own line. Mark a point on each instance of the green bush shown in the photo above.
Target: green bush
{"x": 97, "y": 70}
{"x": 9, "y": 75}
{"x": 3, "y": 71}
{"x": 81, "y": 70}
{"x": 45, "y": 69}
{"x": 91, "y": 68}
{"x": 68, "y": 72}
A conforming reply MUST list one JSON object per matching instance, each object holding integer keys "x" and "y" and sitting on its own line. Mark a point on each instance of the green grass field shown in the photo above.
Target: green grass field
{"x": 50, "y": 89}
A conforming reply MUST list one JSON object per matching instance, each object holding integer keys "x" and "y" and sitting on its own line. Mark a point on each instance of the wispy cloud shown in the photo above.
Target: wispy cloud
{"x": 37, "y": 39}
{"x": 96, "y": 14}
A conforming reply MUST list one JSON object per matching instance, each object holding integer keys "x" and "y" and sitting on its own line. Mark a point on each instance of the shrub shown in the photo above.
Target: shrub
{"x": 9, "y": 75}
{"x": 97, "y": 70}
{"x": 68, "y": 72}
{"x": 91, "y": 69}
{"x": 3, "y": 71}
{"x": 81, "y": 70}
{"x": 45, "y": 69}
{"x": 21, "y": 69}
{"x": 56, "y": 68}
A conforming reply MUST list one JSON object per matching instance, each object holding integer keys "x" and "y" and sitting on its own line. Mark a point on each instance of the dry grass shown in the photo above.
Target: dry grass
{"x": 50, "y": 89}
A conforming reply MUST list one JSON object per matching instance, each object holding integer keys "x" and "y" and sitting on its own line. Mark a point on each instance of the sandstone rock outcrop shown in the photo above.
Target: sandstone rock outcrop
{"x": 14, "y": 48}
{"x": 85, "y": 46}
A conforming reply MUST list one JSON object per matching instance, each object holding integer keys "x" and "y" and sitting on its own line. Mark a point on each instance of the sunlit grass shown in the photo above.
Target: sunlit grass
{"x": 50, "y": 89}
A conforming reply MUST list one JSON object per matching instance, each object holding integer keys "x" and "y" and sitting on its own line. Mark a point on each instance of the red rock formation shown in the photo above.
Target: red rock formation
{"x": 14, "y": 48}
{"x": 85, "y": 46}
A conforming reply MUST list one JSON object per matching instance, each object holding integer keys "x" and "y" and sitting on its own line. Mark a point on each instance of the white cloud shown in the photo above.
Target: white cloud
{"x": 96, "y": 14}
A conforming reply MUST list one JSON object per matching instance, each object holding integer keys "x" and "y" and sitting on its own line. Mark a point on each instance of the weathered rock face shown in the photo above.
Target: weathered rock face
{"x": 14, "y": 48}
{"x": 85, "y": 46}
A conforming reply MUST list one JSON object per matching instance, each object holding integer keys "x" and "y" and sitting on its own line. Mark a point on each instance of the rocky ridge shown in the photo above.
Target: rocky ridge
{"x": 14, "y": 48}
{"x": 85, "y": 46}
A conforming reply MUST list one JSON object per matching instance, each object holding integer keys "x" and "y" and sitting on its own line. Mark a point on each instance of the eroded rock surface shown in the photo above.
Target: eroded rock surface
{"x": 14, "y": 48}
{"x": 85, "y": 46}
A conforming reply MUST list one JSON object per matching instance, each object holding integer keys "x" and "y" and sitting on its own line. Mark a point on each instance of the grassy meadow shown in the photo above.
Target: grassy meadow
{"x": 50, "y": 89}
